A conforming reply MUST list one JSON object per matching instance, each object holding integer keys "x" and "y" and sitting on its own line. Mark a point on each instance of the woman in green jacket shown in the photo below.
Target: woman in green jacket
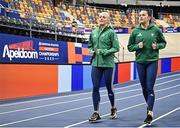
{"x": 146, "y": 40}
{"x": 103, "y": 43}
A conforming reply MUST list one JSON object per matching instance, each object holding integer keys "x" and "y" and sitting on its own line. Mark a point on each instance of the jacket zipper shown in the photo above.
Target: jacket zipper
{"x": 98, "y": 48}
{"x": 99, "y": 34}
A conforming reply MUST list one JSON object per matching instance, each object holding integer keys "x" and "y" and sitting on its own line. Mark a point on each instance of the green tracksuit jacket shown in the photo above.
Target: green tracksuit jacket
{"x": 146, "y": 54}
{"x": 107, "y": 41}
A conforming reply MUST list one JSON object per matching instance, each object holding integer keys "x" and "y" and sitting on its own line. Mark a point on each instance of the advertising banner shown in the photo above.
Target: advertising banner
{"x": 178, "y": 29}
{"x": 121, "y": 30}
{"x": 18, "y": 49}
{"x": 170, "y": 30}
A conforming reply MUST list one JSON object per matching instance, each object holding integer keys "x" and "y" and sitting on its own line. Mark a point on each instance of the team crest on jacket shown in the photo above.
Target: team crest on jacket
{"x": 139, "y": 34}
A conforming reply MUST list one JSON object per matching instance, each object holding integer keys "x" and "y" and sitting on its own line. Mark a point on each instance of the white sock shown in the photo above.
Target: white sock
{"x": 150, "y": 113}
{"x": 96, "y": 111}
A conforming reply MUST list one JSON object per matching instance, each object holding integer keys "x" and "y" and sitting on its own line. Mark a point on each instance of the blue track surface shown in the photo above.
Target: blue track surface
{"x": 73, "y": 110}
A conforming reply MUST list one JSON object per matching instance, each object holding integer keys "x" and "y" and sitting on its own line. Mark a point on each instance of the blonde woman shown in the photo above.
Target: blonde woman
{"x": 103, "y": 43}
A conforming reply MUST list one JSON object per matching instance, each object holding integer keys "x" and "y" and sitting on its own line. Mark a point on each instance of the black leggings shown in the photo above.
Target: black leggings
{"x": 147, "y": 76}
{"x": 96, "y": 74}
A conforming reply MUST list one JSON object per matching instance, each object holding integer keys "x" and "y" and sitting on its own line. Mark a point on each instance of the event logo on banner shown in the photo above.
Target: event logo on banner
{"x": 18, "y": 49}
{"x": 48, "y": 51}
{"x": 22, "y": 50}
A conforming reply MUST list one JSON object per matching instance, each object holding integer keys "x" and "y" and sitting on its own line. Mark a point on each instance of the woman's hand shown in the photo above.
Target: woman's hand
{"x": 91, "y": 53}
{"x": 154, "y": 45}
{"x": 140, "y": 45}
{"x": 98, "y": 51}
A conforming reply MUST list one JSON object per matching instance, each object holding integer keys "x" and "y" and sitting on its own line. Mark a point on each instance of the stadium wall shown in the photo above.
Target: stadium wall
{"x": 62, "y": 71}
{"x": 172, "y": 48}
{"x": 26, "y": 80}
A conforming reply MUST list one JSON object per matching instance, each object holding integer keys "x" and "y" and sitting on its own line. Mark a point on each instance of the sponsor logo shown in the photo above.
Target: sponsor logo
{"x": 95, "y": 36}
{"x": 139, "y": 34}
{"x": 151, "y": 95}
{"x": 19, "y": 53}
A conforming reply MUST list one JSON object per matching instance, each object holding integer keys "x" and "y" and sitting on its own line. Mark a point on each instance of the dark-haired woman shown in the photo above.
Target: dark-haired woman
{"x": 146, "y": 40}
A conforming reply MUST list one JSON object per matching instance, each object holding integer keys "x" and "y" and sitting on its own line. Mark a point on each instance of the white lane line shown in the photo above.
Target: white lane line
{"x": 60, "y": 97}
{"x": 48, "y": 105}
{"x": 52, "y": 114}
{"x": 123, "y": 109}
{"x": 72, "y": 95}
{"x": 53, "y": 104}
{"x": 166, "y": 114}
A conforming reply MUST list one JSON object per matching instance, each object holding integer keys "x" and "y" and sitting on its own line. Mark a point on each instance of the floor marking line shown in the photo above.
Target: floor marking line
{"x": 166, "y": 114}
{"x": 47, "y": 115}
{"x": 122, "y": 110}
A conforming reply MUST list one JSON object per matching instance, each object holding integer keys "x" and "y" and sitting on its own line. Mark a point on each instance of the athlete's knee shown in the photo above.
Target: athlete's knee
{"x": 144, "y": 90}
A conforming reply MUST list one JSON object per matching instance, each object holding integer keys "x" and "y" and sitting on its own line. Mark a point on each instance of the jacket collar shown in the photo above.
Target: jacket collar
{"x": 150, "y": 26}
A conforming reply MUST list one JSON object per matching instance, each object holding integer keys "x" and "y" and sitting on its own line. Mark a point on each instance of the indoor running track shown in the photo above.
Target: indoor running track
{"x": 73, "y": 110}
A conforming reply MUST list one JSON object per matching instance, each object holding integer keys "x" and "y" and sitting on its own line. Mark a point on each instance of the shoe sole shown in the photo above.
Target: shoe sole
{"x": 95, "y": 120}
{"x": 148, "y": 124}
{"x": 114, "y": 117}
